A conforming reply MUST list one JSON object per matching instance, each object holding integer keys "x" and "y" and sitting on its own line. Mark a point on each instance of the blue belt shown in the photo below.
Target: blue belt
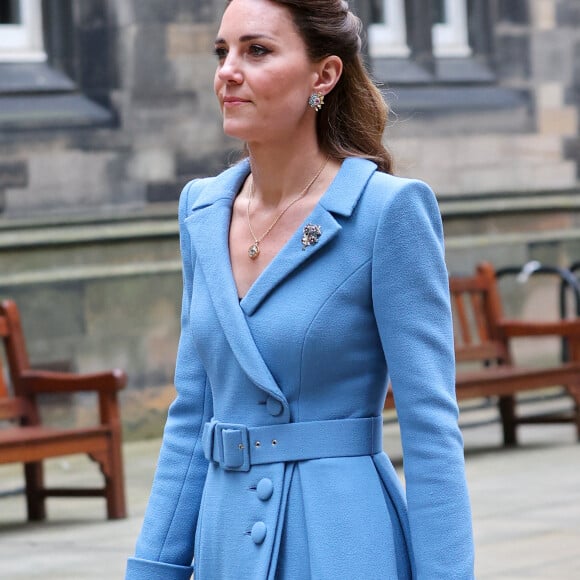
{"x": 237, "y": 447}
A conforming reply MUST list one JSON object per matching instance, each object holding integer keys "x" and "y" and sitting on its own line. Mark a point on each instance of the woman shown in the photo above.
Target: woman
{"x": 310, "y": 276}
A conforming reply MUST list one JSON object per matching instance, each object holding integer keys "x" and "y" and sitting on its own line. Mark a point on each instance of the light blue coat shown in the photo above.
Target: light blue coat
{"x": 315, "y": 338}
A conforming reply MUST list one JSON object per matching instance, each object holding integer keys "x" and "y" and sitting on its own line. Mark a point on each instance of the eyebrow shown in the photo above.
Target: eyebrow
{"x": 246, "y": 38}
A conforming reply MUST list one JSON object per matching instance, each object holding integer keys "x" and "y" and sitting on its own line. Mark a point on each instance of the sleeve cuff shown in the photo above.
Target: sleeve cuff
{"x": 138, "y": 569}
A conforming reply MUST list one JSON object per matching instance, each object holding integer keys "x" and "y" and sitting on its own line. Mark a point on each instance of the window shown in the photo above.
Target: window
{"x": 387, "y": 30}
{"x": 450, "y": 37}
{"x": 37, "y": 61}
{"x": 439, "y": 57}
{"x": 21, "y": 31}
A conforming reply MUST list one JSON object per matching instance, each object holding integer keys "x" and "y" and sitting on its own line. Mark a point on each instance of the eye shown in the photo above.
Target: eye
{"x": 221, "y": 52}
{"x": 258, "y": 50}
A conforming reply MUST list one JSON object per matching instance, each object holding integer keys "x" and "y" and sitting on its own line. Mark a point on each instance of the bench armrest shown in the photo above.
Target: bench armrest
{"x": 36, "y": 382}
{"x": 517, "y": 328}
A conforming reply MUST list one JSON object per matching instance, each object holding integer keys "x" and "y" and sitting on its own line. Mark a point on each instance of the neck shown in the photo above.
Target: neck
{"x": 279, "y": 175}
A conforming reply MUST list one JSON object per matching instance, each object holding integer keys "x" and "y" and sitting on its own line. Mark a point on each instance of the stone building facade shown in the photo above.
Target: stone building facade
{"x": 107, "y": 109}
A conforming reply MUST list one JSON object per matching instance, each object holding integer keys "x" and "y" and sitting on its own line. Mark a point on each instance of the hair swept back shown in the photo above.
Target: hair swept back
{"x": 354, "y": 116}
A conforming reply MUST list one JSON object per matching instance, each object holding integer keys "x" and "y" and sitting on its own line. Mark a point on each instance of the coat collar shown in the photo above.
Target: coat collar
{"x": 208, "y": 226}
{"x": 341, "y": 197}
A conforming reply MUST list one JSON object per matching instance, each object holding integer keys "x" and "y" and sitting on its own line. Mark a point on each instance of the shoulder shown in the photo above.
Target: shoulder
{"x": 393, "y": 189}
{"x": 407, "y": 211}
{"x": 393, "y": 197}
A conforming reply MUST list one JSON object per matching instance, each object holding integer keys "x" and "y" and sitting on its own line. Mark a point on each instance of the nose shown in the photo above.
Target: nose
{"x": 229, "y": 70}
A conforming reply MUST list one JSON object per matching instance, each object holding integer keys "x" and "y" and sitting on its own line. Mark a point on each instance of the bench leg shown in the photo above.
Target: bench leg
{"x": 116, "y": 498}
{"x": 574, "y": 390}
{"x": 508, "y": 419}
{"x": 111, "y": 465}
{"x": 35, "y": 497}
{"x": 115, "y": 486}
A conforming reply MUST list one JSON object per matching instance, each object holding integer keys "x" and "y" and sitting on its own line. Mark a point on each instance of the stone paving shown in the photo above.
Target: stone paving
{"x": 526, "y": 505}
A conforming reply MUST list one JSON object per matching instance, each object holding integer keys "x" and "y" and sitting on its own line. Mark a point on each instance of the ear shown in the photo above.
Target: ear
{"x": 328, "y": 72}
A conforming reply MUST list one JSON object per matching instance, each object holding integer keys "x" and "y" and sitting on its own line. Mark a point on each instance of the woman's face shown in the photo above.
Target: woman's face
{"x": 264, "y": 76}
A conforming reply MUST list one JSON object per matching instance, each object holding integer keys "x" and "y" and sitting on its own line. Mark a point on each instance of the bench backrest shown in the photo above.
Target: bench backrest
{"x": 476, "y": 307}
{"x": 13, "y": 405}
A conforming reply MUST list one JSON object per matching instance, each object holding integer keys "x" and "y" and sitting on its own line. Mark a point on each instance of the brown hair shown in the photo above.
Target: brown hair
{"x": 353, "y": 118}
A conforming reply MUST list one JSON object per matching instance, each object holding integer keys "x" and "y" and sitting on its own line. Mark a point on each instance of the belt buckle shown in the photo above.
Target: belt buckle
{"x": 233, "y": 446}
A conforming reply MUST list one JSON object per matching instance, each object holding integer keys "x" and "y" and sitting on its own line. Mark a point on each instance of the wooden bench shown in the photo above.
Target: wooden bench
{"x": 23, "y": 439}
{"x": 485, "y": 366}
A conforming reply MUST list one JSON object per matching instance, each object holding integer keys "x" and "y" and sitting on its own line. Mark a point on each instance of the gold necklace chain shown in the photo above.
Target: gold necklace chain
{"x": 254, "y": 249}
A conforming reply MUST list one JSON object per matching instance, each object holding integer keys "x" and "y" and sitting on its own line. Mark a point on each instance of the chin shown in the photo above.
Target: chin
{"x": 235, "y": 130}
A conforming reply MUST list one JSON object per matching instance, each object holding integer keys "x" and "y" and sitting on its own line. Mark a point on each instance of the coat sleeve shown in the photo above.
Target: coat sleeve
{"x": 165, "y": 545}
{"x": 411, "y": 302}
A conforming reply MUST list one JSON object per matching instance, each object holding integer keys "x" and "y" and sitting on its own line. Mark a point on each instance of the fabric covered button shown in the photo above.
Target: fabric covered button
{"x": 274, "y": 406}
{"x": 265, "y": 489}
{"x": 258, "y": 532}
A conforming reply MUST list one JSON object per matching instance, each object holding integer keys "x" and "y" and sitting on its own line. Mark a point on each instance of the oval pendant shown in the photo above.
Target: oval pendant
{"x": 253, "y": 251}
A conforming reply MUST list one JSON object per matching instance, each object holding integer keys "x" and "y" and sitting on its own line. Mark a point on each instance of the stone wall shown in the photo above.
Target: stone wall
{"x": 136, "y": 120}
{"x": 516, "y": 133}
{"x": 100, "y": 294}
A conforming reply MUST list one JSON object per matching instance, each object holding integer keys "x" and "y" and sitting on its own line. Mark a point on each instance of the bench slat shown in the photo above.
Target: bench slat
{"x": 499, "y": 381}
{"x": 28, "y": 444}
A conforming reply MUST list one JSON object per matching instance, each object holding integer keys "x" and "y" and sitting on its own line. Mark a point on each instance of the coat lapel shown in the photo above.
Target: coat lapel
{"x": 208, "y": 227}
{"x": 339, "y": 200}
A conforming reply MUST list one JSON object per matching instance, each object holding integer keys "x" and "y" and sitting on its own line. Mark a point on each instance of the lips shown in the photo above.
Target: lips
{"x": 233, "y": 101}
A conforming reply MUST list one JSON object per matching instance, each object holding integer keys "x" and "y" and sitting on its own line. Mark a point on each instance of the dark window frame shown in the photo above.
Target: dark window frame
{"x": 50, "y": 94}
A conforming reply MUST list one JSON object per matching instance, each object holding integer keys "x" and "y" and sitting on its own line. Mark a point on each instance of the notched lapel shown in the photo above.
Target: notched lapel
{"x": 291, "y": 256}
{"x": 208, "y": 227}
{"x": 340, "y": 200}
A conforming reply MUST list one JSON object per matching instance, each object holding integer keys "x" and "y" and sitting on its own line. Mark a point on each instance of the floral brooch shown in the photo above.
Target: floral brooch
{"x": 310, "y": 235}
